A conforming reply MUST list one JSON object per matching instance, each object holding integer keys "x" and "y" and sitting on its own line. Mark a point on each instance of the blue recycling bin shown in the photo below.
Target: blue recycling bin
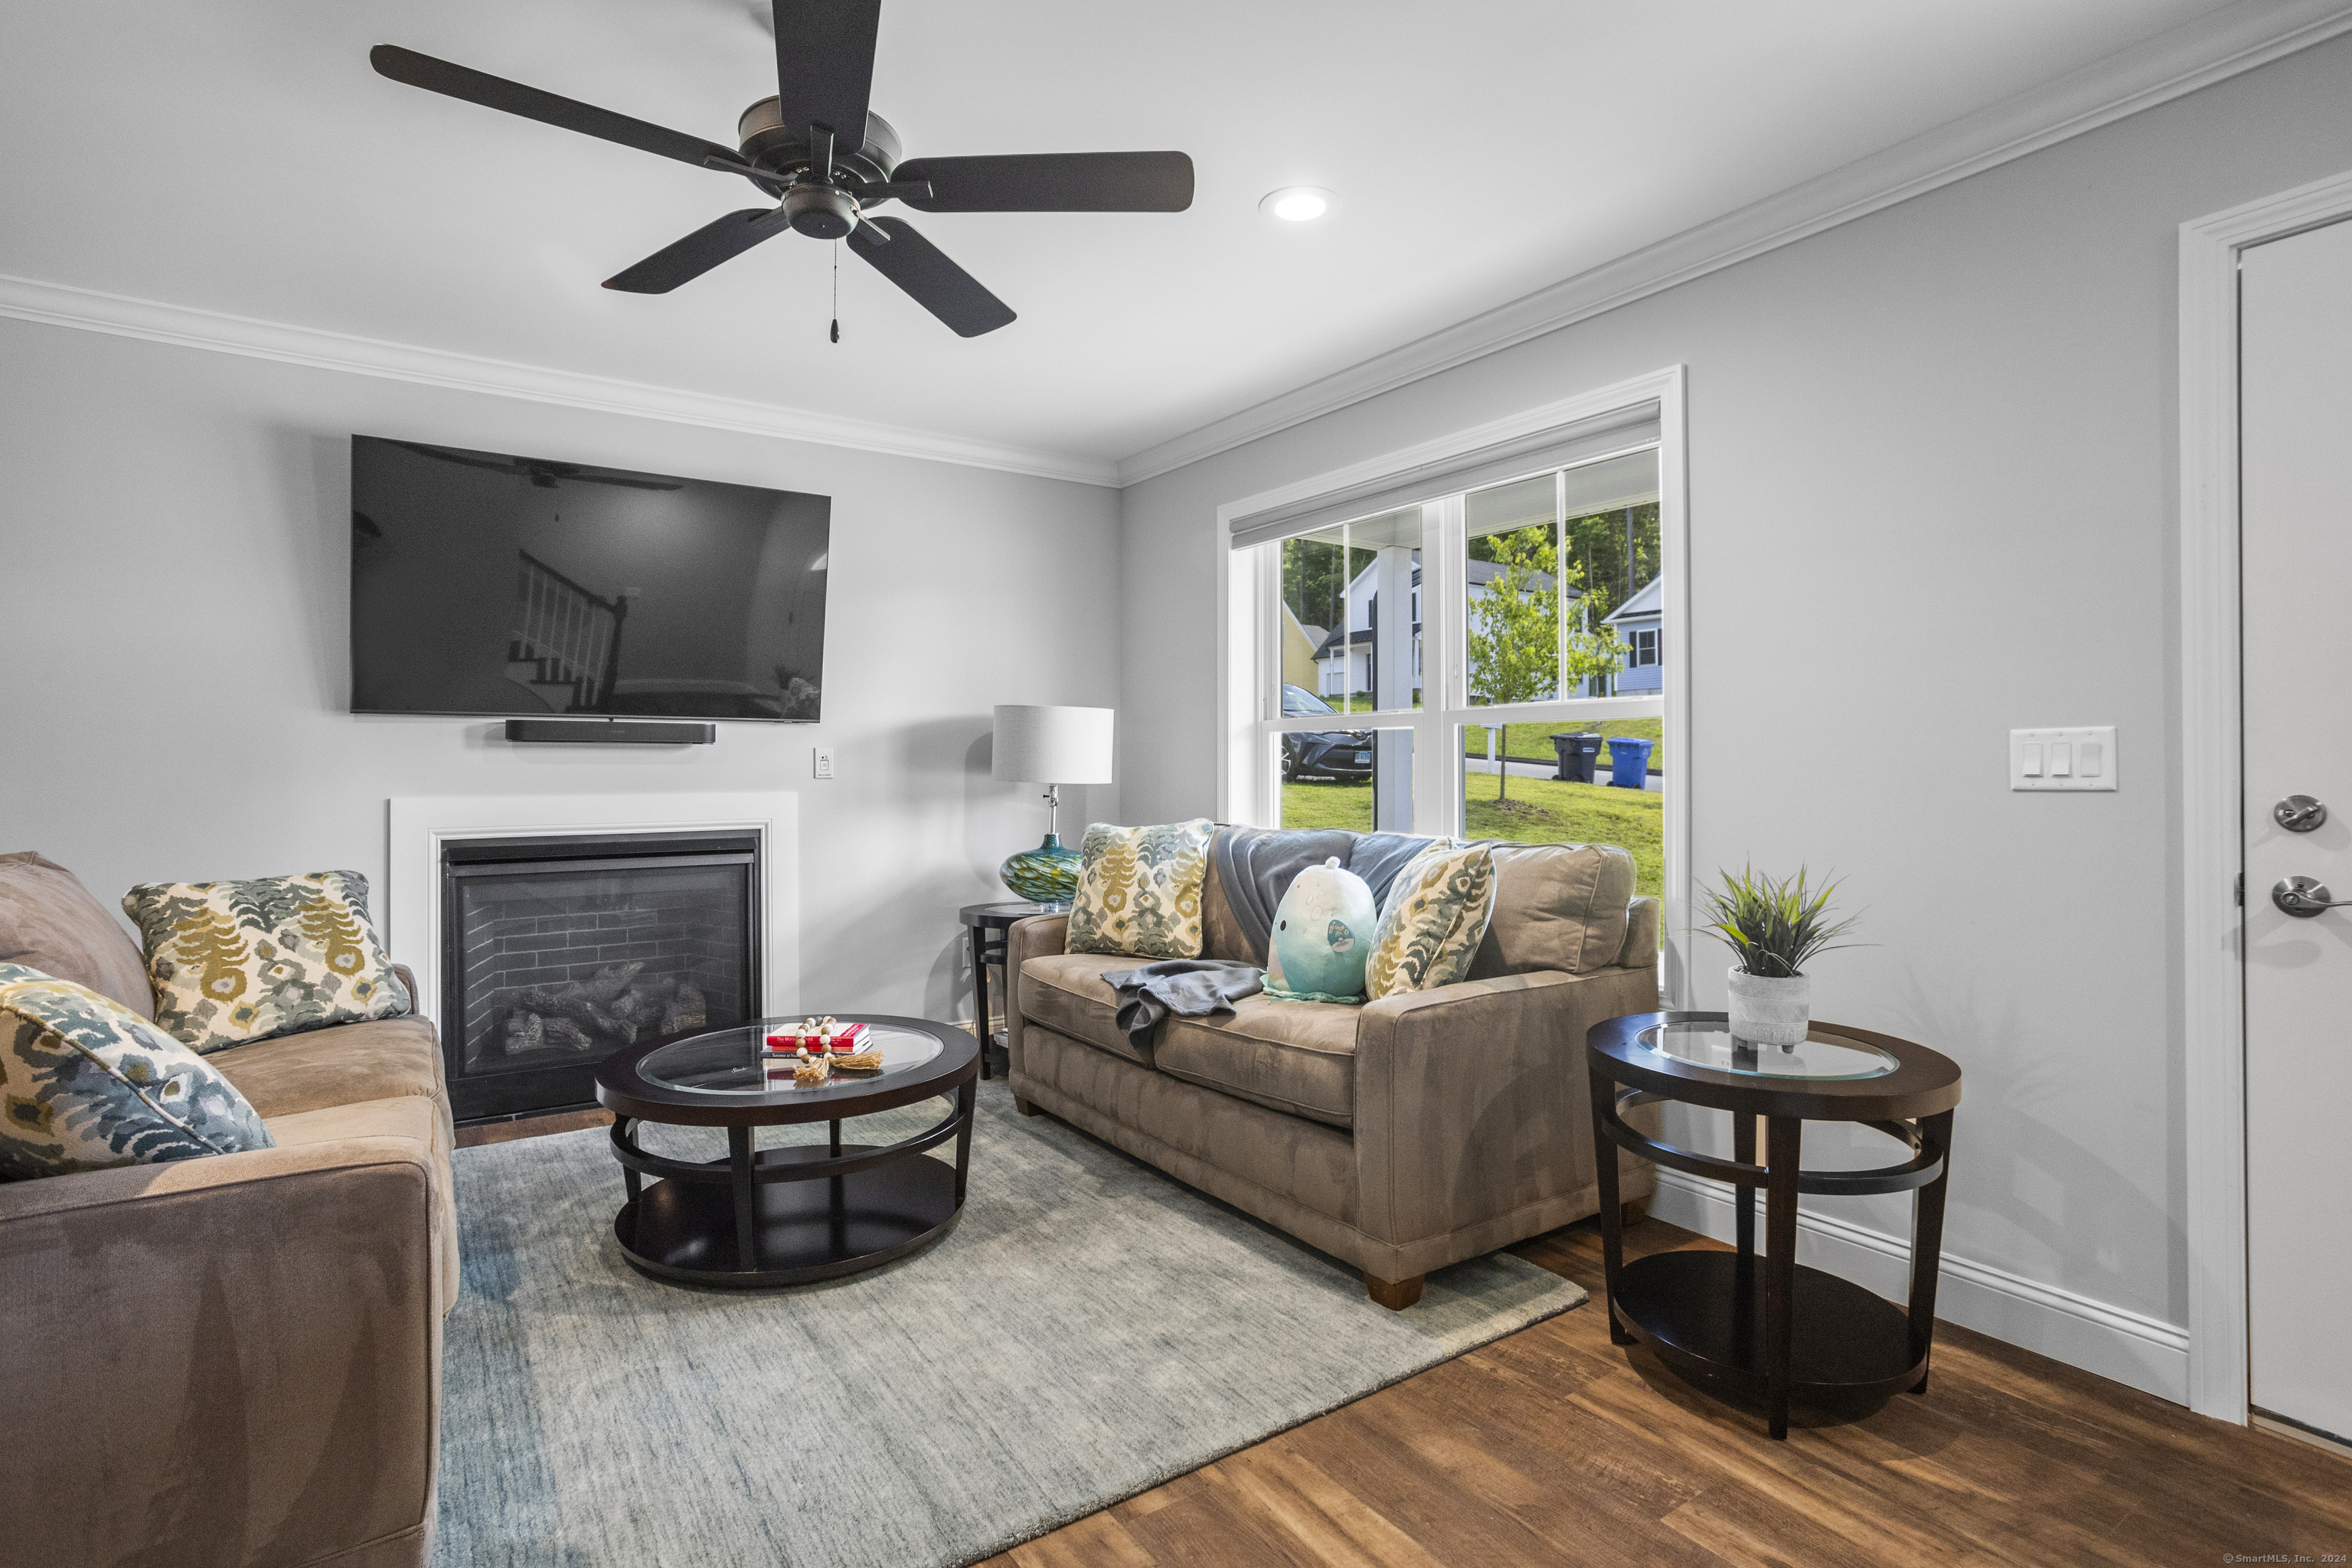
{"x": 1629, "y": 763}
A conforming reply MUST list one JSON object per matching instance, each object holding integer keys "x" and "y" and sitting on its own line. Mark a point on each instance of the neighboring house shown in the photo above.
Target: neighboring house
{"x": 1345, "y": 664}
{"x": 1300, "y": 644}
{"x": 1637, "y": 628}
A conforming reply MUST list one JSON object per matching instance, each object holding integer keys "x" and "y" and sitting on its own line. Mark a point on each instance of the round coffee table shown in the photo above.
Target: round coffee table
{"x": 785, "y": 1215}
{"x": 1806, "y": 1335}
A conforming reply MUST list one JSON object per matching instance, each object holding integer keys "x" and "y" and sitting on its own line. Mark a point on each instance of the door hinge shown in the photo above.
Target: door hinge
{"x": 2242, "y": 890}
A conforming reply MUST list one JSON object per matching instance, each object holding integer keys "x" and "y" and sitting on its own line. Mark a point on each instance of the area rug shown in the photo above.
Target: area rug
{"x": 1089, "y": 1329}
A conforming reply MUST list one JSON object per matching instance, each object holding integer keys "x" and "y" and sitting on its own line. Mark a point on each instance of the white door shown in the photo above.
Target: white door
{"x": 2295, "y": 302}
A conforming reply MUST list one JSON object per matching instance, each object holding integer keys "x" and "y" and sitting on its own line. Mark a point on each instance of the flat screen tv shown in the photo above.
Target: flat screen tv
{"x": 521, "y": 587}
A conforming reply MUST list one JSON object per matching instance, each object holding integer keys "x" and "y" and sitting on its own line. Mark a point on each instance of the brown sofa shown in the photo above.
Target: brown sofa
{"x": 231, "y": 1360}
{"x": 1399, "y": 1136}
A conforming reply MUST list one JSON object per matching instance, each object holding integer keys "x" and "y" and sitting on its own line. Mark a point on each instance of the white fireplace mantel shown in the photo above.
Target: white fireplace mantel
{"x": 420, "y": 824}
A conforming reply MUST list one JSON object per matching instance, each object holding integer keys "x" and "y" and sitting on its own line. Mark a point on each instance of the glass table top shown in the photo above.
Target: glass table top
{"x": 737, "y": 1061}
{"x": 1712, "y": 1044}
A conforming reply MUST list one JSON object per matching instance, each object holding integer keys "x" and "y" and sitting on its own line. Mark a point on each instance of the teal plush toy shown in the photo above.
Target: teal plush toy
{"x": 1322, "y": 934}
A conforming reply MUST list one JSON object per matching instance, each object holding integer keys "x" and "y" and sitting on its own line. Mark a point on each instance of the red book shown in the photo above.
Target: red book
{"x": 847, "y": 1040}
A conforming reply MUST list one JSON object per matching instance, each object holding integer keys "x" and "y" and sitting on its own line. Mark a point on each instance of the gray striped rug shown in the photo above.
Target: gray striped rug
{"x": 1088, "y": 1330}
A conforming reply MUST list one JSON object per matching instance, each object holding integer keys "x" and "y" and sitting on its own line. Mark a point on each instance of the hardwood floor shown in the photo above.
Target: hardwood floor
{"x": 1554, "y": 1447}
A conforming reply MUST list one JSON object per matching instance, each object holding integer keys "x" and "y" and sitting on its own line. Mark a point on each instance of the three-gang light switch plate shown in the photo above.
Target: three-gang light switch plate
{"x": 2079, "y": 758}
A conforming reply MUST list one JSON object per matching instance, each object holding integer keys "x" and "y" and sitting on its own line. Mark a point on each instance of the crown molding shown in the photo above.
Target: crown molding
{"x": 2193, "y": 56}
{"x": 59, "y": 305}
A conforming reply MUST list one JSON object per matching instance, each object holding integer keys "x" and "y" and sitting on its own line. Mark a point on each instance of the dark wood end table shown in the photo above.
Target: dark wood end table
{"x": 788, "y": 1216}
{"x": 988, "y": 923}
{"x": 1805, "y": 1335}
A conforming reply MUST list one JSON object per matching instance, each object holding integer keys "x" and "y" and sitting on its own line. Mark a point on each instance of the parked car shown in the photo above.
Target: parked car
{"x": 1345, "y": 755}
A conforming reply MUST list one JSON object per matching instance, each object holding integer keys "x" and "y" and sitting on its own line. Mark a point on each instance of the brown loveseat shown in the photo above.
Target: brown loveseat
{"x": 1399, "y": 1136}
{"x": 236, "y": 1359}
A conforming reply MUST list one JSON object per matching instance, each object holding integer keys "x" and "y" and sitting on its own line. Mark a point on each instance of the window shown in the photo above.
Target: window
{"x": 1547, "y": 592}
{"x": 1537, "y": 562}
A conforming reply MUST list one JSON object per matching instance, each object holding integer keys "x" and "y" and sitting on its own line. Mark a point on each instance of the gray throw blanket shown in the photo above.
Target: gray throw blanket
{"x": 1255, "y": 866}
{"x": 1188, "y": 987}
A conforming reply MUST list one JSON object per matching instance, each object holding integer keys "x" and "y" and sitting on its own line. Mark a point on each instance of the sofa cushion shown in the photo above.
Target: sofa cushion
{"x": 1139, "y": 889}
{"x": 1556, "y": 906}
{"x": 1436, "y": 915}
{"x": 1064, "y": 991}
{"x": 341, "y": 1066}
{"x": 236, "y": 962}
{"x": 1296, "y": 1056}
{"x": 48, "y": 922}
{"x": 86, "y": 1085}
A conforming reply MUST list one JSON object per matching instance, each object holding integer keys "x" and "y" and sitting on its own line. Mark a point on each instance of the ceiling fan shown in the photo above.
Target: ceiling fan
{"x": 818, "y": 151}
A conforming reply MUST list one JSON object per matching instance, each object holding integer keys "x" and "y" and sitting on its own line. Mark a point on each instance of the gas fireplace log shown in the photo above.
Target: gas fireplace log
{"x": 571, "y": 1003}
{"x": 610, "y": 982}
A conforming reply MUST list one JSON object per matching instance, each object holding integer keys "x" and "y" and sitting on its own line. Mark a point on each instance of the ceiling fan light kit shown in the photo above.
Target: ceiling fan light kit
{"x": 824, "y": 182}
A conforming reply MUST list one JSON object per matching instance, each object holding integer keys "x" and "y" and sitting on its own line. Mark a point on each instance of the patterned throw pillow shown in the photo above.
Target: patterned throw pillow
{"x": 236, "y": 962}
{"x": 1435, "y": 916}
{"x": 86, "y": 1083}
{"x": 1139, "y": 889}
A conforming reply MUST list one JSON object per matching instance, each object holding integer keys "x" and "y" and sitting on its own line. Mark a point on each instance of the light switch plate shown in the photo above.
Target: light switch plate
{"x": 2081, "y": 758}
{"x": 821, "y": 761}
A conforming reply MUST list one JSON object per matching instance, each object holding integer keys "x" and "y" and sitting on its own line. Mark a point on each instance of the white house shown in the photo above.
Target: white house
{"x": 1344, "y": 663}
{"x": 1636, "y": 625}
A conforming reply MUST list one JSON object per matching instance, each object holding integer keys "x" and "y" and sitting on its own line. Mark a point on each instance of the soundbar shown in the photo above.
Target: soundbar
{"x": 610, "y": 732}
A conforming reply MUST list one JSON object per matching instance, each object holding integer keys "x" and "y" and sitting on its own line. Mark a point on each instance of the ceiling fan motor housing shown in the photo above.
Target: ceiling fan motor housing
{"x": 769, "y": 144}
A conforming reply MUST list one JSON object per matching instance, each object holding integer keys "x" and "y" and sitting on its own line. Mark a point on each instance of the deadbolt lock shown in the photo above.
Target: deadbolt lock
{"x": 2299, "y": 814}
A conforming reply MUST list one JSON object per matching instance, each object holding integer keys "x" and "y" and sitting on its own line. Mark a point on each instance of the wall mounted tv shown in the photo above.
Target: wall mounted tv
{"x": 521, "y": 587}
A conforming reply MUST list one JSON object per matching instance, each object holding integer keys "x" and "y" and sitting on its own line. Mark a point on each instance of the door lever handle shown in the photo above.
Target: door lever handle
{"x": 2304, "y": 897}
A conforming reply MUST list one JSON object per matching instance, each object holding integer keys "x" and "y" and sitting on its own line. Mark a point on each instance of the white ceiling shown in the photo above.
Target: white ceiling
{"x": 240, "y": 156}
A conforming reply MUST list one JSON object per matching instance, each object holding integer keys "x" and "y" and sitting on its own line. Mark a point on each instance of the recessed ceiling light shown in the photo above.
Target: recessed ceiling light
{"x": 1298, "y": 203}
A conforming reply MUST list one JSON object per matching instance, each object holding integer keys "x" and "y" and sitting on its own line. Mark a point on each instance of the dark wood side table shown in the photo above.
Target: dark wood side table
{"x": 988, "y": 924}
{"x": 1804, "y": 1335}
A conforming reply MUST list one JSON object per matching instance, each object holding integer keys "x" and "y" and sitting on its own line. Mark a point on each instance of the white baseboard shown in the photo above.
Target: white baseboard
{"x": 2113, "y": 1342}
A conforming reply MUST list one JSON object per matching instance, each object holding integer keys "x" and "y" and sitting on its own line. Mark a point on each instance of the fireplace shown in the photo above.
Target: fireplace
{"x": 558, "y": 950}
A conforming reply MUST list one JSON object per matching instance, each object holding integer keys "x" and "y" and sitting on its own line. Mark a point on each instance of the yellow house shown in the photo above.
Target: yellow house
{"x": 1298, "y": 646}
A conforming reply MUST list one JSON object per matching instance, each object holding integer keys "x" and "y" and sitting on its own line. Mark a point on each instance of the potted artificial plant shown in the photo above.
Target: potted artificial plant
{"x": 1775, "y": 928}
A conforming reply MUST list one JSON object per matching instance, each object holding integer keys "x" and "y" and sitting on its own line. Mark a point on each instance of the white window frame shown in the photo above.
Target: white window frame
{"x": 1250, "y": 652}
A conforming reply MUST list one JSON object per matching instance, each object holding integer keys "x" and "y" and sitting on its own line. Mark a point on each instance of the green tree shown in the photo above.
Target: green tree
{"x": 1515, "y": 642}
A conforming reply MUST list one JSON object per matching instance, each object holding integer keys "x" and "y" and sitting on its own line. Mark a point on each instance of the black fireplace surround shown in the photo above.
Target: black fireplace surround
{"x": 558, "y": 950}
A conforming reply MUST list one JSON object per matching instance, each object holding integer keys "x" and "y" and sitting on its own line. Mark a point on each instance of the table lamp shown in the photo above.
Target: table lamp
{"x": 1051, "y": 746}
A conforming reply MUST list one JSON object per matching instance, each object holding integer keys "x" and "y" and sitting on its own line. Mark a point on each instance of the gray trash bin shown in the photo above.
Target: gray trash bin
{"x": 1576, "y": 754}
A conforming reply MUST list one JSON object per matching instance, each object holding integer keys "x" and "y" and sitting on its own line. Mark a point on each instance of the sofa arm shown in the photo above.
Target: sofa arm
{"x": 1025, "y": 940}
{"x": 1472, "y": 1101}
{"x": 240, "y": 1355}
{"x": 1642, "y": 920}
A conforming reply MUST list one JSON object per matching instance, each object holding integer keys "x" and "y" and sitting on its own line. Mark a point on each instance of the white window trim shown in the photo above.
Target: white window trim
{"x": 1249, "y": 651}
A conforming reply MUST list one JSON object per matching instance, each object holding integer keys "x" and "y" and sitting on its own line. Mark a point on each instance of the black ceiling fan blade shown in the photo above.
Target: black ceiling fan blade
{"x": 550, "y": 109}
{"x": 684, "y": 260}
{"x": 1053, "y": 183}
{"x": 933, "y": 282}
{"x": 824, "y": 64}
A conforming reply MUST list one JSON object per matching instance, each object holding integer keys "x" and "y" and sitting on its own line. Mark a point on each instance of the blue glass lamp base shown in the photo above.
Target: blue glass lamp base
{"x": 1047, "y": 875}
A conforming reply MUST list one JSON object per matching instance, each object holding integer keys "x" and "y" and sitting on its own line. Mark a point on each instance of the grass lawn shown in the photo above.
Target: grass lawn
{"x": 1539, "y": 811}
{"x": 1532, "y": 743}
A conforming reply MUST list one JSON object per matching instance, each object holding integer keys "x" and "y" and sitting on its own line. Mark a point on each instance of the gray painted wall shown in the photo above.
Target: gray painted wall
{"x": 175, "y": 573}
{"x": 1934, "y": 452}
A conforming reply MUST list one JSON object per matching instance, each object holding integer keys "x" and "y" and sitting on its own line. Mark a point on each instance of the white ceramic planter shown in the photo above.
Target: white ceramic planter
{"x": 1770, "y": 1010}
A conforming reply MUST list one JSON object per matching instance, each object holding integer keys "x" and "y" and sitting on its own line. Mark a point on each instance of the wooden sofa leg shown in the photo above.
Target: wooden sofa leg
{"x": 1635, "y": 1213}
{"x": 1396, "y": 1295}
{"x": 1025, "y": 1107}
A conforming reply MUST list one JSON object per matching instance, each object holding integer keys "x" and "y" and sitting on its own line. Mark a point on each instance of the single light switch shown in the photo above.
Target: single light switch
{"x": 821, "y": 761}
{"x": 2081, "y": 758}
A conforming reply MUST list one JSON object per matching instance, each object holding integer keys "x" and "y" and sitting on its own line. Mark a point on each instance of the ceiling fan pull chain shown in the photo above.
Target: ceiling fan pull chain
{"x": 837, "y": 291}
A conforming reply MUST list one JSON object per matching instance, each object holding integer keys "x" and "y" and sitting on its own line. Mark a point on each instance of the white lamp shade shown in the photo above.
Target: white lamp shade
{"x": 1052, "y": 745}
